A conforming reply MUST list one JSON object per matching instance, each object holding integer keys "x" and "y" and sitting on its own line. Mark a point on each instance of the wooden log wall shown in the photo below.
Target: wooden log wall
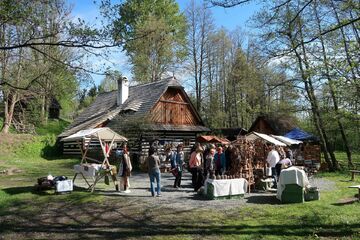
{"x": 72, "y": 148}
{"x": 187, "y": 139}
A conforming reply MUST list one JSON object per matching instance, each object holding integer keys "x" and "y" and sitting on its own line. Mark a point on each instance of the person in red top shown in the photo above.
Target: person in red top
{"x": 195, "y": 163}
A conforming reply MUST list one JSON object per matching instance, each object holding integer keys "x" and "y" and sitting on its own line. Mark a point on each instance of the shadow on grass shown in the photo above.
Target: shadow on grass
{"x": 28, "y": 189}
{"x": 132, "y": 219}
{"x": 348, "y": 201}
{"x": 35, "y": 190}
{"x": 263, "y": 199}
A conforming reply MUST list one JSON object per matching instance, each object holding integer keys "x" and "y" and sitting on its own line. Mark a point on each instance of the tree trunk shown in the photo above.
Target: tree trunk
{"x": 332, "y": 91}
{"x": 313, "y": 101}
{"x": 10, "y": 102}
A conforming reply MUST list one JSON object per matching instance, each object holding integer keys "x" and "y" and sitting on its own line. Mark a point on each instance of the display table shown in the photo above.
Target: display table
{"x": 225, "y": 188}
{"x": 291, "y": 185}
{"x": 95, "y": 172}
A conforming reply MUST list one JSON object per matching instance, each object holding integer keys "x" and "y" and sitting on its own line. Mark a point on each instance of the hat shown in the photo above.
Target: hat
{"x": 211, "y": 146}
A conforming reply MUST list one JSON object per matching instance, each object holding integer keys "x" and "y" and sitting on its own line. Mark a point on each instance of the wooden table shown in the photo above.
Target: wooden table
{"x": 358, "y": 187}
{"x": 353, "y": 174}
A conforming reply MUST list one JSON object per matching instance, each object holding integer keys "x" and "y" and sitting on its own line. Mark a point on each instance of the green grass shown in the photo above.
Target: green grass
{"x": 27, "y": 214}
{"x": 52, "y": 127}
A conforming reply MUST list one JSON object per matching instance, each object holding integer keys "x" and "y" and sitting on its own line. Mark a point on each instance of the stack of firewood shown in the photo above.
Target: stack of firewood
{"x": 242, "y": 158}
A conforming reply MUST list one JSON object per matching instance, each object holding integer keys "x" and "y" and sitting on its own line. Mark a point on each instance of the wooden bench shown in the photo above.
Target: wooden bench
{"x": 353, "y": 174}
{"x": 358, "y": 187}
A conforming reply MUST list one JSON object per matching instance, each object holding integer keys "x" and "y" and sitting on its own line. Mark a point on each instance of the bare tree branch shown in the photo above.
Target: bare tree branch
{"x": 228, "y": 3}
{"x": 29, "y": 84}
{"x": 299, "y": 12}
{"x": 66, "y": 64}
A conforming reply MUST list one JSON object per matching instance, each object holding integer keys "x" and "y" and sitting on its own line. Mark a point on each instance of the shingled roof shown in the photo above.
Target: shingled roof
{"x": 139, "y": 103}
{"x": 277, "y": 125}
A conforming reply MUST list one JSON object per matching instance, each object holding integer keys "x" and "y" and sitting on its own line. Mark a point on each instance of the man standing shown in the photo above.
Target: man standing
{"x": 272, "y": 159}
{"x": 179, "y": 162}
{"x": 153, "y": 163}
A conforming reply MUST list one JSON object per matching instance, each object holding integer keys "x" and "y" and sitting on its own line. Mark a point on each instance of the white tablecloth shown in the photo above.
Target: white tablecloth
{"x": 291, "y": 175}
{"x": 227, "y": 187}
{"x": 88, "y": 170}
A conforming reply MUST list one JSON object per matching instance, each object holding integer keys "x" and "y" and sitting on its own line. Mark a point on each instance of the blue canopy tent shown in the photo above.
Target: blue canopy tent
{"x": 301, "y": 135}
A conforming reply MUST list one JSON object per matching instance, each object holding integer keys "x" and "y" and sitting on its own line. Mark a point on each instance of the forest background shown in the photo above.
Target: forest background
{"x": 301, "y": 62}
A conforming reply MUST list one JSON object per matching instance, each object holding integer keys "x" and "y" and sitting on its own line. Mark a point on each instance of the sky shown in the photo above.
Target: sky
{"x": 229, "y": 18}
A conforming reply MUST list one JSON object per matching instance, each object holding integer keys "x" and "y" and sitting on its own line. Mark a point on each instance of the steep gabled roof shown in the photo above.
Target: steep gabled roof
{"x": 139, "y": 103}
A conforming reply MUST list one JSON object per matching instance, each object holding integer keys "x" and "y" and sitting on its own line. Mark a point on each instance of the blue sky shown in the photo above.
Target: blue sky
{"x": 229, "y": 18}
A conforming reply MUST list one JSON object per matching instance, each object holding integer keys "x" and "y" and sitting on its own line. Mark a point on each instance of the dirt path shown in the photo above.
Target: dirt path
{"x": 185, "y": 198}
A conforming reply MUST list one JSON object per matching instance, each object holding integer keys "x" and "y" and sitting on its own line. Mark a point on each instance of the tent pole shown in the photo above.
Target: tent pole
{"x": 86, "y": 150}
{"x": 103, "y": 150}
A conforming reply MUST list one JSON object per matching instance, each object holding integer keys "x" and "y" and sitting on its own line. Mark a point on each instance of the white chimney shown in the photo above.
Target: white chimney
{"x": 123, "y": 90}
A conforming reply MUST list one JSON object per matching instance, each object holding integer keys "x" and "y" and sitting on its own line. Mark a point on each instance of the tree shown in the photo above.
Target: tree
{"x": 286, "y": 37}
{"x": 159, "y": 31}
{"x": 30, "y": 71}
{"x": 200, "y": 24}
{"x": 109, "y": 83}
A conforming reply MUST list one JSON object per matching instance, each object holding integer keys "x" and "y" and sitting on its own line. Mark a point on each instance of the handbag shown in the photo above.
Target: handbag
{"x": 175, "y": 171}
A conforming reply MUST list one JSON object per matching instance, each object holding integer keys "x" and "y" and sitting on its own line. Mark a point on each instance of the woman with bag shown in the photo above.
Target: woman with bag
{"x": 125, "y": 170}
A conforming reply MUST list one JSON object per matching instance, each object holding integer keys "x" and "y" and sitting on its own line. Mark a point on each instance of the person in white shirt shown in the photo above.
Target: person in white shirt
{"x": 272, "y": 159}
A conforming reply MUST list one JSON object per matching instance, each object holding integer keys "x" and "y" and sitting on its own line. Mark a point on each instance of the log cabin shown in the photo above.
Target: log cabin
{"x": 275, "y": 125}
{"x": 156, "y": 113}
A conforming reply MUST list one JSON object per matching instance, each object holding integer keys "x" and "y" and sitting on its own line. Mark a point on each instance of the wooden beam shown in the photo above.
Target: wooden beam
{"x": 176, "y": 102}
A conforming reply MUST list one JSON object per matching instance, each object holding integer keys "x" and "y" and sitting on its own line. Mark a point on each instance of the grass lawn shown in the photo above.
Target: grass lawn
{"x": 26, "y": 214}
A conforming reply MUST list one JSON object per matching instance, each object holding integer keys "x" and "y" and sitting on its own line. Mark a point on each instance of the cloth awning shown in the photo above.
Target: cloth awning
{"x": 255, "y": 135}
{"x": 105, "y": 134}
{"x": 299, "y": 134}
{"x": 212, "y": 139}
{"x": 286, "y": 140}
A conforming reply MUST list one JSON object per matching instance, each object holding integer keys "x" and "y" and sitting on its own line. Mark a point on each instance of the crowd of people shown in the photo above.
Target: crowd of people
{"x": 205, "y": 161}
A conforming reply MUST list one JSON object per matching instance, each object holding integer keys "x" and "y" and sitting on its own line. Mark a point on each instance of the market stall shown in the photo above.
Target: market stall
{"x": 101, "y": 168}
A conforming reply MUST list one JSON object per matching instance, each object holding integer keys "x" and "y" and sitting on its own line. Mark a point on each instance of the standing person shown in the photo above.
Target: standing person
{"x": 170, "y": 156}
{"x": 153, "y": 163}
{"x": 209, "y": 168}
{"x": 195, "y": 163}
{"x": 289, "y": 154}
{"x": 272, "y": 159}
{"x": 179, "y": 162}
{"x": 220, "y": 161}
{"x": 281, "y": 152}
{"x": 125, "y": 169}
{"x": 228, "y": 157}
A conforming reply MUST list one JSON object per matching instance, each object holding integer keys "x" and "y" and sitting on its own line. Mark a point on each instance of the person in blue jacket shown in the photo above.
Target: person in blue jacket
{"x": 220, "y": 161}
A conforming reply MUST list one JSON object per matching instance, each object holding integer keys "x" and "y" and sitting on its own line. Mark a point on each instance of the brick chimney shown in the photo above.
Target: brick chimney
{"x": 123, "y": 90}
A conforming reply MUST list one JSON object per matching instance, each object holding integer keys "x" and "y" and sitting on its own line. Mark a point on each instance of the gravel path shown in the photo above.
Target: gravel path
{"x": 185, "y": 198}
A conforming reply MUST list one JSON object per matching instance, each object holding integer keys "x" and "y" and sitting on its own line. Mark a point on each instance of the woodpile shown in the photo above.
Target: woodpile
{"x": 248, "y": 160}
{"x": 242, "y": 159}
{"x": 312, "y": 152}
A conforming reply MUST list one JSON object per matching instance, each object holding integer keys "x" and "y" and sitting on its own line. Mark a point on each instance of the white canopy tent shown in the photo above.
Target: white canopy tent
{"x": 103, "y": 135}
{"x": 96, "y": 171}
{"x": 255, "y": 135}
{"x": 286, "y": 140}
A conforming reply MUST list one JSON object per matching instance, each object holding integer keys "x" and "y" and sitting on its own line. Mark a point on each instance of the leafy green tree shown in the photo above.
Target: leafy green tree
{"x": 109, "y": 83}
{"x": 154, "y": 34}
